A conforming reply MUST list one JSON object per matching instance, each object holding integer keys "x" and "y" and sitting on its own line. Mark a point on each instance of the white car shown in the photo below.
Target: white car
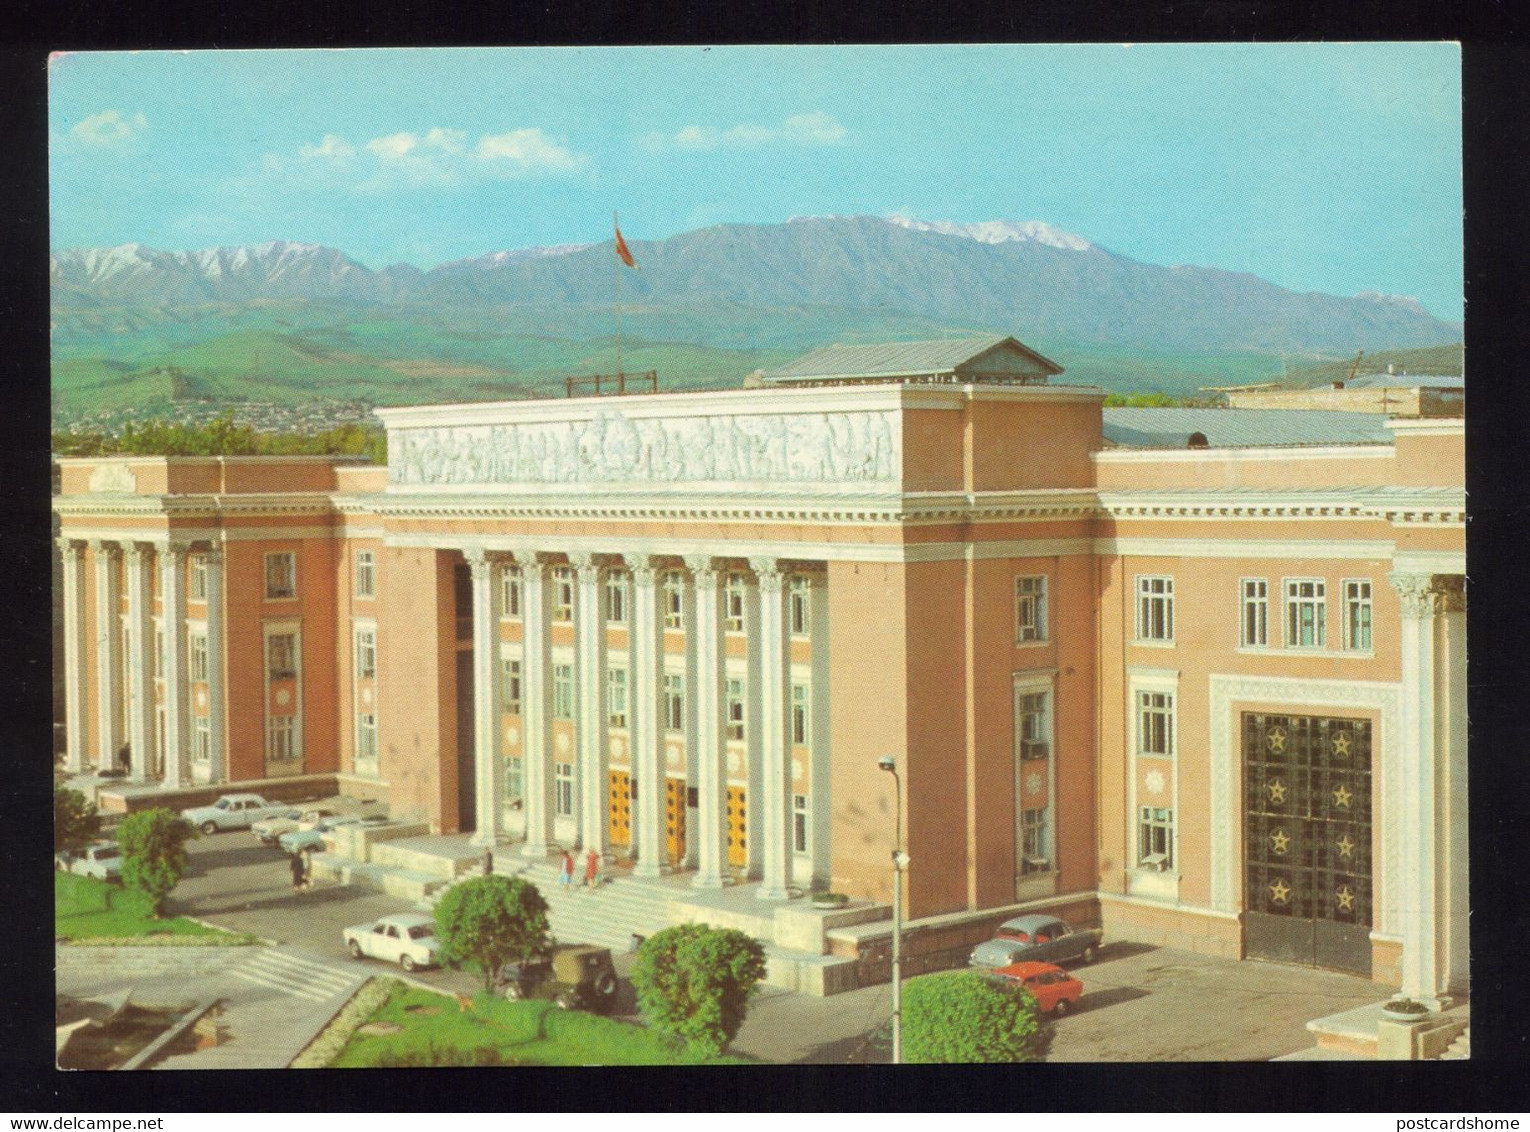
{"x": 233, "y": 811}
{"x": 269, "y": 829}
{"x": 408, "y": 939}
{"x": 102, "y": 860}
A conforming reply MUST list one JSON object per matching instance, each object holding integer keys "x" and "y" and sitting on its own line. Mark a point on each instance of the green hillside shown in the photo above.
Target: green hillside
{"x": 1438, "y": 361}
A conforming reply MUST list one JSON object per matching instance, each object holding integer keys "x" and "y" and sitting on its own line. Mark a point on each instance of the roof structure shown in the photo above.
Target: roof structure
{"x": 1242, "y": 428}
{"x": 1406, "y": 381}
{"x": 993, "y": 359}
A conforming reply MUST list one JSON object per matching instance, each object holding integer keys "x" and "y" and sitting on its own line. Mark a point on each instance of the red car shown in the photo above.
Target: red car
{"x": 1055, "y": 991}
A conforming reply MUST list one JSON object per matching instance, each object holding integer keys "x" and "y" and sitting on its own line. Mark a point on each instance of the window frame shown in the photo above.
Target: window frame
{"x": 565, "y": 796}
{"x": 274, "y": 558}
{"x": 198, "y": 656}
{"x": 1035, "y": 844}
{"x": 1149, "y": 599}
{"x": 289, "y": 636}
{"x": 616, "y": 597}
{"x": 512, "y": 591}
{"x": 736, "y": 724}
{"x": 196, "y": 583}
{"x": 365, "y": 644}
{"x": 802, "y": 713}
{"x": 1358, "y": 602}
{"x": 511, "y": 689}
{"x": 1166, "y": 711}
{"x": 365, "y": 574}
{"x": 617, "y": 705}
{"x": 201, "y": 739}
{"x": 735, "y": 589}
{"x": 277, "y": 727}
{"x": 1293, "y": 602}
{"x": 1254, "y": 605}
{"x": 366, "y": 725}
{"x": 799, "y": 606}
{"x": 563, "y": 594}
{"x": 1154, "y": 822}
{"x": 1031, "y": 609}
{"x": 802, "y": 825}
{"x": 563, "y": 691}
{"x": 674, "y": 702}
{"x": 673, "y": 585}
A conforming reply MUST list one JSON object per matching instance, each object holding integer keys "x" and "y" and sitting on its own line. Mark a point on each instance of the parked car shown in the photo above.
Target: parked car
{"x": 1035, "y": 938}
{"x": 408, "y": 939}
{"x": 102, "y": 860}
{"x": 269, "y": 829}
{"x": 320, "y": 838}
{"x": 1055, "y": 991}
{"x": 233, "y": 811}
{"x": 575, "y": 976}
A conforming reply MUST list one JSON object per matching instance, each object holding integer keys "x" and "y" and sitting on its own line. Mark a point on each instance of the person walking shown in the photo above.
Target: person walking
{"x": 591, "y": 869}
{"x": 299, "y": 872}
{"x": 566, "y": 872}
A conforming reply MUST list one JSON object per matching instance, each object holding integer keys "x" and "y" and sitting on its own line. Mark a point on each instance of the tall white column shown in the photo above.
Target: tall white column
{"x": 647, "y": 649}
{"x": 592, "y": 727}
{"x": 708, "y": 746}
{"x": 140, "y": 660}
{"x": 775, "y": 731}
{"x": 106, "y": 556}
{"x": 820, "y": 798}
{"x": 488, "y": 727}
{"x": 1425, "y": 896}
{"x": 75, "y": 689}
{"x": 217, "y": 710}
{"x": 536, "y": 703}
{"x": 172, "y": 587}
{"x": 1454, "y": 877}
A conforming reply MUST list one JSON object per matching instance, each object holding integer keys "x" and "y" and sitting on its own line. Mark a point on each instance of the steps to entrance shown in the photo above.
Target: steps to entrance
{"x": 1461, "y": 1048}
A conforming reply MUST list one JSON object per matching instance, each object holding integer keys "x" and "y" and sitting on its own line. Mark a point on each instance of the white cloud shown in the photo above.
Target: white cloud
{"x": 394, "y": 146}
{"x": 110, "y": 127}
{"x": 527, "y": 149}
{"x": 812, "y": 128}
{"x": 332, "y": 147}
{"x": 450, "y": 140}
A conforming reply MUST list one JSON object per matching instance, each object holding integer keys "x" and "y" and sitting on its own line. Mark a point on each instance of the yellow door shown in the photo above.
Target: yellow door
{"x": 738, "y": 845}
{"x": 674, "y": 818}
{"x": 620, "y": 807}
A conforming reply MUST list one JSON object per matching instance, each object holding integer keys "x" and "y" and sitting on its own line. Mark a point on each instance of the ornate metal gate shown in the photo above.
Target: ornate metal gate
{"x": 1307, "y": 840}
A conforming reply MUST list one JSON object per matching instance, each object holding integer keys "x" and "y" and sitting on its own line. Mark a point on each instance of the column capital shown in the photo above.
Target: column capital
{"x": 531, "y": 559}
{"x": 704, "y": 571}
{"x": 71, "y": 548}
{"x": 1452, "y": 591}
{"x": 479, "y": 561}
{"x": 1423, "y": 595}
{"x": 138, "y": 552}
{"x": 211, "y": 554}
{"x": 588, "y": 564}
{"x": 643, "y": 567}
{"x": 770, "y": 572}
{"x": 172, "y": 547}
{"x": 106, "y": 548}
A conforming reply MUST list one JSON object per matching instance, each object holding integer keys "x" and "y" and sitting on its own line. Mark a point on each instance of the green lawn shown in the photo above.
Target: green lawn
{"x": 496, "y": 1032}
{"x": 85, "y": 908}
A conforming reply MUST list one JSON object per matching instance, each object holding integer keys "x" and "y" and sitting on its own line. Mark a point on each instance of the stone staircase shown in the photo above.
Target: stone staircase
{"x": 1461, "y": 1048}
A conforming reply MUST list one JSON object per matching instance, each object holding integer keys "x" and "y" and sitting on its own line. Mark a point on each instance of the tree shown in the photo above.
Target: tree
{"x": 694, "y": 981}
{"x": 154, "y": 853}
{"x": 490, "y": 921}
{"x": 75, "y": 820}
{"x": 966, "y": 1016}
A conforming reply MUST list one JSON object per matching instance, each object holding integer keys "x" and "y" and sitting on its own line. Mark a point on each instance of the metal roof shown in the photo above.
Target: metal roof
{"x": 898, "y": 359}
{"x": 1242, "y": 428}
{"x": 1406, "y": 381}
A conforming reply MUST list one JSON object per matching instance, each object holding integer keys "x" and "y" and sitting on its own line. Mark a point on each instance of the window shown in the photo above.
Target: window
{"x": 198, "y": 577}
{"x": 674, "y": 701}
{"x": 616, "y": 596}
{"x": 510, "y": 591}
{"x": 510, "y": 671}
{"x": 563, "y": 593}
{"x": 1305, "y": 607}
{"x": 1155, "y": 838}
{"x": 1155, "y": 608}
{"x": 280, "y": 744}
{"x": 736, "y": 710}
{"x": 799, "y": 823}
{"x": 797, "y": 608}
{"x": 513, "y": 779}
{"x": 674, "y": 593}
{"x": 563, "y": 789}
{"x": 366, "y": 741}
{"x": 1030, "y": 609}
{"x": 366, "y": 653}
{"x": 800, "y": 729}
{"x": 733, "y": 603}
{"x": 201, "y": 739}
{"x": 1357, "y": 615}
{"x": 281, "y": 575}
{"x": 1155, "y": 729}
{"x": 366, "y": 574}
{"x": 616, "y": 697}
{"x": 1031, "y": 708}
{"x": 1256, "y": 612}
{"x": 159, "y": 652}
{"x": 563, "y": 691}
{"x": 1033, "y": 843}
{"x": 197, "y": 646}
{"x": 281, "y": 656}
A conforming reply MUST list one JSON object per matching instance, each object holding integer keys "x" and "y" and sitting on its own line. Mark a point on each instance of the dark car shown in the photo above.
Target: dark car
{"x": 575, "y": 976}
{"x": 1035, "y": 938}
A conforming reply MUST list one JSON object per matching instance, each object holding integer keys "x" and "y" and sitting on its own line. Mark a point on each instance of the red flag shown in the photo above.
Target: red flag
{"x": 622, "y": 251}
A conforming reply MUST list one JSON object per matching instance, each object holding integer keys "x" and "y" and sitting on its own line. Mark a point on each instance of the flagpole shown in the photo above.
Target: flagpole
{"x": 616, "y": 275}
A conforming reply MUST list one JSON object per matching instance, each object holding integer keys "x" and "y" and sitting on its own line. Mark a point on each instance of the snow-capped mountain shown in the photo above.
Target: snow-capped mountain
{"x": 998, "y": 231}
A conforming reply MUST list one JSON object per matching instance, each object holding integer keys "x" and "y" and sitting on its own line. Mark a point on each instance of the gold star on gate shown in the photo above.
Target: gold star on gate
{"x": 1277, "y": 790}
{"x": 1345, "y": 846}
{"x": 1280, "y": 891}
{"x": 1280, "y": 841}
{"x": 1340, "y": 744}
{"x": 1345, "y": 898}
{"x": 1276, "y": 739}
{"x": 1341, "y": 797}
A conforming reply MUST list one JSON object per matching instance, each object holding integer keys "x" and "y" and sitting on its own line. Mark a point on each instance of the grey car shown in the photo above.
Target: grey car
{"x": 1036, "y": 938}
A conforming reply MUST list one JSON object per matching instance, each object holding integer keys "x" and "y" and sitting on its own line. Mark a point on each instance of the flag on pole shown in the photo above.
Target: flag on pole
{"x": 623, "y": 253}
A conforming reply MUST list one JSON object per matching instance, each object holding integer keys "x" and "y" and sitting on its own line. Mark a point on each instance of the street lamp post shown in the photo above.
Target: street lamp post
{"x": 900, "y": 863}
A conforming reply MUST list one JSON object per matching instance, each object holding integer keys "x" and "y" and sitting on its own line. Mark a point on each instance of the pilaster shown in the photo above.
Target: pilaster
{"x": 775, "y": 730}
{"x": 592, "y": 729}
{"x": 488, "y": 731}
{"x": 708, "y": 744}
{"x": 647, "y": 648}
{"x": 536, "y": 702}
{"x": 172, "y": 585}
{"x": 106, "y": 557}
{"x": 217, "y": 708}
{"x": 75, "y": 687}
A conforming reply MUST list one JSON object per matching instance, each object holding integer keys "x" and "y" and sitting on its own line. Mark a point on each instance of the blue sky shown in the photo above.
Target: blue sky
{"x": 1323, "y": 167}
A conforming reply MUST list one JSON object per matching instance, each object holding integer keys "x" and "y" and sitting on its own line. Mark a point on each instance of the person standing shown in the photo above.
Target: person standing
{"x": 591, "y": 869}
{"x": 566, "y": 872}
{"x": 299, "y": 872}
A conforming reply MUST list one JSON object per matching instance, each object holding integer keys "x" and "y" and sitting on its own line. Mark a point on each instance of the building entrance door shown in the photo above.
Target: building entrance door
{"x": 1307, "y": 840}
{"x": 619, "y": 807}
{"x": 674, "y": 819}
{"x": 738, "y": 842}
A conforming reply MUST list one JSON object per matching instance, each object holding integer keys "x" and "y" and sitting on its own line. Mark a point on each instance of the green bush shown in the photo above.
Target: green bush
{"x": 154, "y": 854}
{"x": 966, "y": 1016}
{"x": 490, "y": 921}
{"x": 75, "y": 820}
{"x": 693, "y": 984}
